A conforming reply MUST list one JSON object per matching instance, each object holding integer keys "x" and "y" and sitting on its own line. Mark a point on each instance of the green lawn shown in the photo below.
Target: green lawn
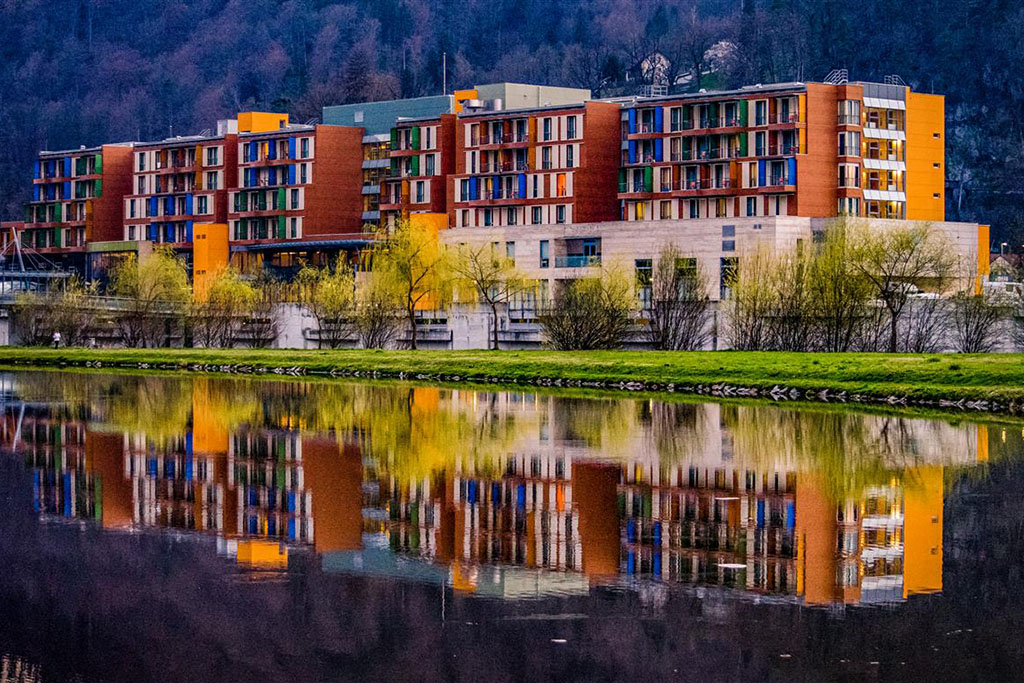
{"x": 918, "y": 377}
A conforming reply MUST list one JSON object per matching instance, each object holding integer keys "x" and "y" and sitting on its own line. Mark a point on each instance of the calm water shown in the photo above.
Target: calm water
{"x": 214, "y": 529}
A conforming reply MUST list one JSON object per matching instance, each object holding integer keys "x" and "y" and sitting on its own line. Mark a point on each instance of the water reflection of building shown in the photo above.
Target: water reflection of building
{"x": 558, "y": 509}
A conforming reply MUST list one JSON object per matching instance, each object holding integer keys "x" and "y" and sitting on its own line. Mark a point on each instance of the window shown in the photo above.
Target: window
{"x": 571, "y": 128}
{"x": 213, "y": 156}
{"x": 511, "y": 215}
{"x": 142, "y": 185}
{"x": 545, "y": 157}
{"x": 569, "y": 153}
{"x": 545, "y": 255}
{"x": 546, "y": 126}
{"x": 760, "y": 113}
{"x": 665, "y": 210}
{"x": 419, "y": 191}
{"x": 728, "y": 231}
{"x": 728, "y": 245}
{"x": 212, "y": 180}
{"x": 694, "y": 209}
{"x": 535, "y": 215}
{"x": 849, "y": 144}
{"x": 510, "y": 250}
{"x": 294, "y": 227}
{"x": 303, "y": 173}
{"x": 202, "y": 204}
{"x": 131, "y": 208}
{"x": 429, "y": 164}
{"x": 759, "y": 144}
{"x": 304, "y": 148}
{"x": 464, "y": 189}
{"x": 131, "y": 232}
{"x": 560, "y": 213}
{"x": 295, "y": 198}
{"x": 464, "y": 218}
{"x": 560, "y": 185}
{"x": 488, "y": 219}
{"x": 751, "y": 206}
{"x": 536, "y": 187}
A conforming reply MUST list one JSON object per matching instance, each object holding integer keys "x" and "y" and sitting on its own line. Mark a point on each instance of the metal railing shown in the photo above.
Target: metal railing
{"x": 577, "y": 261}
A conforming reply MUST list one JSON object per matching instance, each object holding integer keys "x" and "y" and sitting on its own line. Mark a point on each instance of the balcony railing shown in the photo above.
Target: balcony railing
{"x": 849, "y": 119}
{"x": 783, "y": 118}
{"x": 779, "y": 150}
{"x": 849, "y": 150}
{"x": 777, "y": 181}
{"x": 577, "y": 261}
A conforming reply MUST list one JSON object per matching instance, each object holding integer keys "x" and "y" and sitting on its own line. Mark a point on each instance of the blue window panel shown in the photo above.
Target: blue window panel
{"x": 657, "y": 533}
{"x": 291, "y": 529}
{"x": 67, "y": 189}
{"x": 471, "y": 492}
{"x": 495, "y": 494}
{"x": 760, "y": 512}
{"x": 272, "y": 149}
{"x": 67, "y": 167}
{"x": 169, "y": 469}
{"x": 36, "y": 486}
{"x": 189, "y": 466}
{"x": 291, "y": 148}
{"x": 152, "y": 232}
{"x": 154, "y": 206}
{"x": 291, "y": 501}
{"x": 168, "y": 206}
{"x": 291, "y": 172}
{"x": 659, "y": 148}
{"x": 37, "y": 169}
{"x": 791, "y": 171}
{"x": 631, "y": 562}
{"x": 474, "y": 188}
{"x": 51, "y": 192}
{"x": 656, "y": 564}
{"x": 790, "y": 515}
{"x": 272, "y": 176}
{"x": 272, "y": 497}
{"x": 521, "y": 496}
{"x": 659, "y": 119}
{"x": 169, "y": 232}
{"x": 761, "y": 170}
{"x": 35, "y": 192}
{"x": 631, "y": 530}
{"x": 254, "y": 497}
{"x": 254, "y": 150}
{"x": 522, "y": 186}
{"x": 631, "y": 113}
{"x": 632, "y": 151}
{"x": 68, "y": 494}
{"x": 51, "y": 168}
{"x": 253, "y": 525}
{"x": 271, "y": 526}
{"x": 188, "y": 238}
{"x": 188, "y": 204}
{"x": 151, "y": 467}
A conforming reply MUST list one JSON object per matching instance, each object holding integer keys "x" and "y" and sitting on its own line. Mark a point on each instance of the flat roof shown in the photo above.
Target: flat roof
{"x": 84, "y": 150}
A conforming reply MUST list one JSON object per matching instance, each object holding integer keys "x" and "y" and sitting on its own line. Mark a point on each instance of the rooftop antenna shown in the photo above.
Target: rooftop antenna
{"x": 444, "y": 73}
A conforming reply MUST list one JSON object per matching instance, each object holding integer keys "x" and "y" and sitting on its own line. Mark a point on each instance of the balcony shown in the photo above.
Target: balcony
{"x": 849, "y": 150}
{"x": 782, "y": 150}
{"x": 502, "y": 139}
{"x": 774, "y": 119}
{"x": 578, "y": 261}
{"x": 777, "y": 181}
{"x": 849, "y": 120}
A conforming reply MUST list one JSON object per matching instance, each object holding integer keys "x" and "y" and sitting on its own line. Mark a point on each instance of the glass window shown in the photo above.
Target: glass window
{"x": 535, "y": 216}
{"x": 560, "y": 213}
{"x": 544, "y": 254}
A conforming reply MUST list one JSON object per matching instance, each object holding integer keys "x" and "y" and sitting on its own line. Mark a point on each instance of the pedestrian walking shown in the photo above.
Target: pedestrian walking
{"x": 56, "y": 338}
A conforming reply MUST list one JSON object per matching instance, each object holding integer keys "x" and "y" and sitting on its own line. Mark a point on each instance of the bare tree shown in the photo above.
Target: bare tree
{"x": 899, "y": 261}
{"x": 262, "y": 323}
{"x": 492, "y": 277}
{"x": 590, "y": 313}
{"x": 839, "y": 293}
{"x": 329, "y": 294}
{"x": 154, "y": 292}
{"x": 680, "y": 305}
{"x": 977, "y": 322}
{"x": 377, "y": 316}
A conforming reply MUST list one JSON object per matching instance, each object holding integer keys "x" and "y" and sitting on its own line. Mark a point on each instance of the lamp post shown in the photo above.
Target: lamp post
{"x": 1002, "y": 248}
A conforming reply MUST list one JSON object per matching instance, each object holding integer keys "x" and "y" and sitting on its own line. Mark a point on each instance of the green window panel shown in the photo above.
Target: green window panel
{"x": 263, "y": 201}
{"x": 414, "y": 166}
{"x": 280, "y": 198}
{"x": 281, "y": 227}
{"x": 57, "y": 213}
{"x": 81, "y": 166}
{"x": 99, "y": 187}
{"x": 622, "y": 180}
{"x": 648, "y": 179}
{"x": 415, "y": 137}
{"x": 99, "y": 163}
{"x": 744, "y": 111}
{"x": 394, "y": 138}
{"x": 743, "y": 141}
{"x": 56, "y": 237}
{"x": 687, "y": 115}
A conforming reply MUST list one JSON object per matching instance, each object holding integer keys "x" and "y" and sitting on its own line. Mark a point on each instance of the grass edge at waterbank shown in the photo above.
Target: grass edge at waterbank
{"x": 985, "y": 382}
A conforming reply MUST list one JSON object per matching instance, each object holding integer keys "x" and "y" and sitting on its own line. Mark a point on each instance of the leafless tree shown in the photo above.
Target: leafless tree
{"x": 680, "y": 306}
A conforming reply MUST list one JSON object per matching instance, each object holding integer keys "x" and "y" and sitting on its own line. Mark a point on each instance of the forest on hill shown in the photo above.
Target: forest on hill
{"x": 90, "y": 71}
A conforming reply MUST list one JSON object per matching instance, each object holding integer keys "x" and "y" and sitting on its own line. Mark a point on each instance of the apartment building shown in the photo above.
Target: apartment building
{"x": 177, "y": 183}
{"x": 77, "y": 198}
{"x": 296, "y": 184}
{"x": 789, "y": 149}
{"x": 552, "y": 165}
{"x": 420, "y": 161}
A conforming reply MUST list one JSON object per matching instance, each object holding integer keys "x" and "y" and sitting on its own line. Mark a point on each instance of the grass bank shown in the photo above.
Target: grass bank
{"x": 988, "y": 382}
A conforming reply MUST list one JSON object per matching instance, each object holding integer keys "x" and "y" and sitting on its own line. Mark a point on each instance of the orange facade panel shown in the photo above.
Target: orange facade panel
{"x": 926, "y": 157}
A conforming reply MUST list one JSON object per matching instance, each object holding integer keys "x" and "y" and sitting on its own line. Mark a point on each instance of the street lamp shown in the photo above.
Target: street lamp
{"x": 1002, "y": 248}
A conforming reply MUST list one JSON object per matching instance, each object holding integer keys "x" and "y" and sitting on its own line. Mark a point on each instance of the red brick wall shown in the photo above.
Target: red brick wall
{"x": 816, "y": 171}
{"x": 108, "y": 210}
{"x": 596, "y": 181}
{"x": 334, "y": 201}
